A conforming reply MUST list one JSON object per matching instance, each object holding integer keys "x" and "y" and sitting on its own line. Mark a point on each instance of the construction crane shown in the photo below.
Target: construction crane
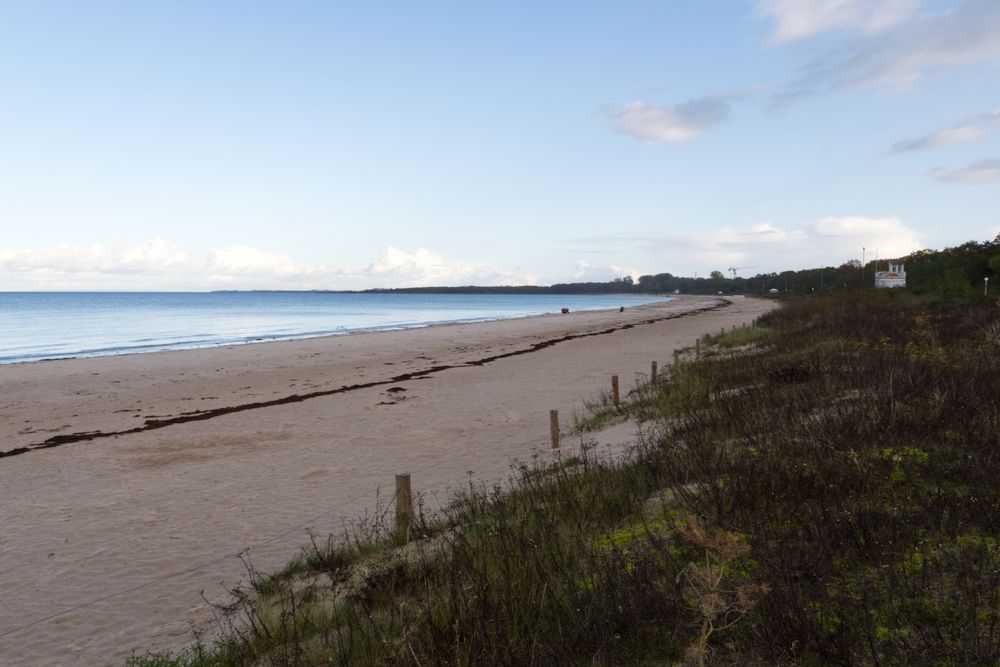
{"x": 734, "y": 269}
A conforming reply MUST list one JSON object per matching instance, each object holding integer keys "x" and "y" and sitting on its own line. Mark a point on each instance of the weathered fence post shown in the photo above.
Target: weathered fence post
{"x": 652, "y": 372}
{"x": 615, "y": 396}
{"x": 697, "y": 349}
{"x": 554, "y": 428}
{"x": 677, "y": 358}
{"x": 404, "y": 507}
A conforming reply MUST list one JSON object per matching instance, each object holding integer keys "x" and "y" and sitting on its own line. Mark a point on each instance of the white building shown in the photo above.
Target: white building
{"x": 894, "y": 277}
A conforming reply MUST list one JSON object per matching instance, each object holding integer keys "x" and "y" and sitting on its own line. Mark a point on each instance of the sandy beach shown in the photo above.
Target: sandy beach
{"x": 129, "y": 484}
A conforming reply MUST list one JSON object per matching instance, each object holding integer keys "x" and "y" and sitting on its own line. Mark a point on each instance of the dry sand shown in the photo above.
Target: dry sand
{"x": 107, "y": 543}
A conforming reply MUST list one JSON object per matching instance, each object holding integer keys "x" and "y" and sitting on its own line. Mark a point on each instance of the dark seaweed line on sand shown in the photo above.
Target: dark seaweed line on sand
{"x": 153, "y": 424}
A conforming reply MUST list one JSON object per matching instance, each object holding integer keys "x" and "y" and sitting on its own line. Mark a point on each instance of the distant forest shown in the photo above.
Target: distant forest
{"x": 957, "y": 272}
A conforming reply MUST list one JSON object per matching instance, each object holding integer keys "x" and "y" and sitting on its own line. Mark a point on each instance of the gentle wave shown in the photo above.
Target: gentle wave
{"x": 40, "y": 326}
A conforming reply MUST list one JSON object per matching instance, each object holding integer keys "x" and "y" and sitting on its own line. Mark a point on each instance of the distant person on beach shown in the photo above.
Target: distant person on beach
{"x": 621, "y": 309}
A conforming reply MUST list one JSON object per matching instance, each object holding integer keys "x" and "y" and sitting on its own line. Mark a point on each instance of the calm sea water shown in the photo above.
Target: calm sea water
{"x": 35, "y": 326}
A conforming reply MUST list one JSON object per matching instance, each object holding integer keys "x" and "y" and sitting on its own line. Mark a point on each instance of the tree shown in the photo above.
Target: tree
{"x": 716, "y": 275}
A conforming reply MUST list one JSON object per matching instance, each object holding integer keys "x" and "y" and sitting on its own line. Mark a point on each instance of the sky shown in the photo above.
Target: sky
{"x": 190, "y": 145}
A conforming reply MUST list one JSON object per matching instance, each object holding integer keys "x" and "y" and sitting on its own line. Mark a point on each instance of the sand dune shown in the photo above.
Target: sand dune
{"x": 128, "y": 485}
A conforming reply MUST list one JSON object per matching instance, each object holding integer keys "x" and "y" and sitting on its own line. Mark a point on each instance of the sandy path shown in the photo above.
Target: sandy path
{"x": 152, "y": 517}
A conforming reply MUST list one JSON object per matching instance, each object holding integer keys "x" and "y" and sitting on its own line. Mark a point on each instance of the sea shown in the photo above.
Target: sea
{"x": 52, "y": 325}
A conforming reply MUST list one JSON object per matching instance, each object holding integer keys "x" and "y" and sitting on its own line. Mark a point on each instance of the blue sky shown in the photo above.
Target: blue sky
{"x": 193, "y": 145}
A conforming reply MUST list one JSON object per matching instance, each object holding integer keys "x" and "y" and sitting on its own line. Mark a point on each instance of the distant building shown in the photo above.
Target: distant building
{"x": 894, "y": 277}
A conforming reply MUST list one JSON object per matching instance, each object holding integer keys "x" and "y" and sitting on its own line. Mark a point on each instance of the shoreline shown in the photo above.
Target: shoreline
{"x": 126, "y": 350}
{"x": 108, "y": 542}
{"x": 157, "y": 423}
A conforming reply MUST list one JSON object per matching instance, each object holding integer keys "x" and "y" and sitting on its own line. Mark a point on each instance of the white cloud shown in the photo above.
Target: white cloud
{"x": 986, "y": 118}
{"x": 880, "y": 45}
{"x": 244, "y": 260}
{"x": 798, "y": 19}
{"x": 153, "y": 257}
{"x": 977, "y": 173}
{"x": 965, "y": 35}
{"x": 669, "y": 125}
{"x": 973, "y": 127}
{"x": 939, "y": 139}
{"x": 901, "y": 55}
{"x": 157, "y": 256}
{"x": 767, "y": 247}
{"x": 422, "y": 268}
{"x": 890, "y": 233}
{"x": 158, "y": 265}
{"x": 586, "y": 272}
{"x": 831, "y": 241}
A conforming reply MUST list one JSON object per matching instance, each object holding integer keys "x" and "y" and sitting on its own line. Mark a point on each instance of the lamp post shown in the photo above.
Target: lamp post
{"x": 862, "y": 266}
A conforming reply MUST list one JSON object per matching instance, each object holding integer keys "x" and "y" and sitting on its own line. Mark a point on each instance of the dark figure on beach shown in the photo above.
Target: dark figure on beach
{"x": 565, "y": 310}
{"x": 621, "y": 309}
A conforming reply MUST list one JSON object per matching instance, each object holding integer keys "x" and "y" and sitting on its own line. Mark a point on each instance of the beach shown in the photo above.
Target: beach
{"x": 129, "y": 484}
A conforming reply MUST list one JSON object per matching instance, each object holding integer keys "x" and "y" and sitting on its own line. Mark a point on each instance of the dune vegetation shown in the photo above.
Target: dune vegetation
{"x": 818, "y": 489}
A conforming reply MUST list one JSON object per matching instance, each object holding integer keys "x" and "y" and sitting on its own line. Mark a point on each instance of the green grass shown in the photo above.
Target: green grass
{"x": 741, "y": 336}
{"x": 600, "y": 414}
{"x": 819, "y": 489}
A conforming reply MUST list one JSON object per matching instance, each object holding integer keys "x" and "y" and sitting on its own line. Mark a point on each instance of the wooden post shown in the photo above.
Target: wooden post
{"x": 677, "y": 358}
{"x": 652, "y": 372}
{"x": 697, "y": 349}
{"x": 615, "y": 396}
{"x": 554, "y": 428}
{"x": 404, "y": 507}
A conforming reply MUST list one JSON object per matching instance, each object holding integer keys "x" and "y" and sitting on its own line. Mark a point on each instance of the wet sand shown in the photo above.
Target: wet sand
{"x": 128, "y": 485}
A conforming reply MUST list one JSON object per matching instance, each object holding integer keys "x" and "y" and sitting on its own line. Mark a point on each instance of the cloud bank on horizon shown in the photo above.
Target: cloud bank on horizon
{"x": 158, "y": 264}
{"x": 155, "y": 265}
{"x": 768, "y": 247}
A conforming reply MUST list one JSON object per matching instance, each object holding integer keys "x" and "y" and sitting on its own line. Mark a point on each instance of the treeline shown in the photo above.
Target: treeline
{"x": 616, "y": 286}
{"x": 958, "y": 272}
